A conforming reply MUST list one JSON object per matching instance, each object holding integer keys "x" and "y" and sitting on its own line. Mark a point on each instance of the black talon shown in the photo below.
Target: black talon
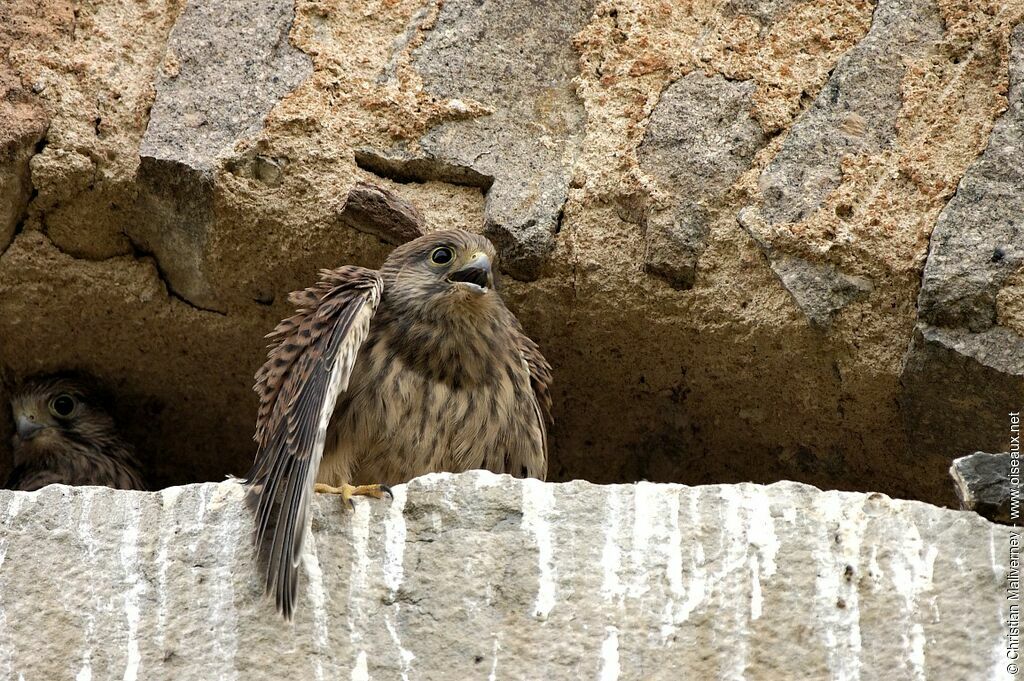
{"x": 387, "y": 490}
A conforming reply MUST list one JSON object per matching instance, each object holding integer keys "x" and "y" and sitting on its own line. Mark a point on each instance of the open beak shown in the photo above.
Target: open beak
{"x": 476, "y": 272}
{"x": 28, "y": 428}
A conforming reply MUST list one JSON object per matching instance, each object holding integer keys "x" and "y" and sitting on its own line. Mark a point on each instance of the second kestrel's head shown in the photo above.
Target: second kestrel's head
{"x": 52, "y": 410}
{"x": 442, "y": 272}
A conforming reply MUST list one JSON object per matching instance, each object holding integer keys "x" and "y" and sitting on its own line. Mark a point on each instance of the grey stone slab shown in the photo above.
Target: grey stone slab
{"x": 985, "y": 483}
{"x": 700, "y": 139}
{"x": 520, "y": 64}
{"x": 957, "y": 387}
{"x": 480, "y": 576}
{"x": 963, "y": 372}
{"x": 978, "y": 240}
{"x": 227, "y": 64}
{"x": 854, "y": 113}
{"x": 820, "y": 291}
{"x": 379, "y": 211}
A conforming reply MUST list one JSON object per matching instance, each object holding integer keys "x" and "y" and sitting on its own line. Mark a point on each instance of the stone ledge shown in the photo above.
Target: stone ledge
{"x": 481, "y": 576}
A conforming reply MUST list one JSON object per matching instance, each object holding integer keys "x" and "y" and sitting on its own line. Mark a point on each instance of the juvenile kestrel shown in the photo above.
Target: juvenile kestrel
{"x": 387, "y": 375}
{"x": 63, "y": 435}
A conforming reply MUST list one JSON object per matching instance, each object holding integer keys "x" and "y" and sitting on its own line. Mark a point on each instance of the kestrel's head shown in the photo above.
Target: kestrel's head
{"x": 53, "y": 411}
{"x": 442, "y": 272}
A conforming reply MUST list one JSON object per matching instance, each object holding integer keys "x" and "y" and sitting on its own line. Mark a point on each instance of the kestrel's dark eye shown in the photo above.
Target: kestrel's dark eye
{"x": 62, "y": 405}
{"x": 442, "y": 255}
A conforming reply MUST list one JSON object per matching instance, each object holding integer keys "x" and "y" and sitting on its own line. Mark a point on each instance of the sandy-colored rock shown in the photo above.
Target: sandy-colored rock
{"x": 480, "y": 576}
{"x": 15, "y": 152}
{"x": 729, "y": 377}
{"x": 855, "y": 113}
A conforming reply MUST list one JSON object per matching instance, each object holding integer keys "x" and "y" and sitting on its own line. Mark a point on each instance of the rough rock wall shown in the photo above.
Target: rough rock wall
{"x": 480, "y": 576}
{"x": 714, "y": 217}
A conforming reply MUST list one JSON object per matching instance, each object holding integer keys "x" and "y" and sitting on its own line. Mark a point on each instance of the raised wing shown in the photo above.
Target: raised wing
{"x": 309, "y": 364}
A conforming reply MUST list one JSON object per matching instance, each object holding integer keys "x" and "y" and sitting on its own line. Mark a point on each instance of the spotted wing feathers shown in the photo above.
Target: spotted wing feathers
{"x": 309, "y": 364}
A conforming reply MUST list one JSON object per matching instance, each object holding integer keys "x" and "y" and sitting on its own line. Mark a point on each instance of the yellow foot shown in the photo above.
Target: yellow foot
{"x": 348, "y": 491}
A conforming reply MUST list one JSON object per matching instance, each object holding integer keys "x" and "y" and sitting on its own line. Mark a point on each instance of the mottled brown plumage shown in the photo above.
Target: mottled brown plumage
{"x": 385, "y": 375}
{"x": 64, "y": 436}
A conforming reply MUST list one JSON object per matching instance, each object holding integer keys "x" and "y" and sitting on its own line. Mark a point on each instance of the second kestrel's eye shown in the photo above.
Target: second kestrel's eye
{"x": 442, "y": 255}
{"x": 62, "y": 405}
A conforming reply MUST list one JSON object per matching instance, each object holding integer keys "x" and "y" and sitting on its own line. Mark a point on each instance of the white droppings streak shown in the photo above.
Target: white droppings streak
{"x": 394, "y": 538}
{"x": 168, "y": 499}
{"x": 837, "y": 599}
{"x": 85, "y": 531}
{"x": 135, "y": 586}
{"x": 197, "y": 529}
{"x": 359, "y": 671}
{"x": 610, "y": 655}
{"x": 357, "y": 586}
{"x": 760, "y": 534}
{"x": 611, "y": 554}
{"x": 761, "y": 530}
{"x": 756, "y": 601}
{"x": 394, "y": 571}
{"x": 697, "y": 587}
{"x": 222, "y": 601}
{"x": 733, "y": 565}
{"x": 318, "y": 600}
{"x": 13, "y": 508}
{"x": 405, "y": 656}
{"x": 538, "y": 504}
{"x": 645, "y": 520}
{"x": 673, "y": 550}
{"x": 912, "y": 570}
{"x": 493, "y": 676}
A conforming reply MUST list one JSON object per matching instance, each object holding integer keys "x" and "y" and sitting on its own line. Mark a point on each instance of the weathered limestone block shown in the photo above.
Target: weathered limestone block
{"x": 227, "y": 64}
{"x": 855, "y": 113}
{"x": 519, "y": 64}
{"x": 701, "y": 137}
{"x": 963, "y": 373}
{"x": 984, "y": 485}
{"x": 481, "y": 576}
